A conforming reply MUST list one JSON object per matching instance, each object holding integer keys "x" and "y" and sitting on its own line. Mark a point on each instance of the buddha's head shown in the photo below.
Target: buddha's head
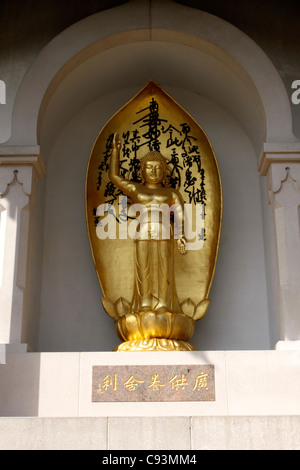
{"x": 154, "y": 168}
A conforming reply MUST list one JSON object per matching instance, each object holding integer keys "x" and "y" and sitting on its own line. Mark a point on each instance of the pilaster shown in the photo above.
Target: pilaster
{"x": 19, "y": 168}
{"x": 282, "y": 170}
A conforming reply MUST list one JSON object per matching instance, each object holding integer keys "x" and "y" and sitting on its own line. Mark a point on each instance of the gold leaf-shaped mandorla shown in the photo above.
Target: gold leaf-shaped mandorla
{"x": 155, "y": 283}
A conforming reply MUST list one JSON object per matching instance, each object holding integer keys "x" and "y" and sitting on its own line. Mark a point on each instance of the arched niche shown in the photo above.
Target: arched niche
{"x": 75, "y": 85}
{"x": 175, "y": 25}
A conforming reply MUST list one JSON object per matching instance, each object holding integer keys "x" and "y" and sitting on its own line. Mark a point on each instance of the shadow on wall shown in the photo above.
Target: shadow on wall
{"x": 19, "y": 385}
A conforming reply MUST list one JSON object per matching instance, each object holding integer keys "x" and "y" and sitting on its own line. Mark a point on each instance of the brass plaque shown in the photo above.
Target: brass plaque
{"x": 153, "y": 383}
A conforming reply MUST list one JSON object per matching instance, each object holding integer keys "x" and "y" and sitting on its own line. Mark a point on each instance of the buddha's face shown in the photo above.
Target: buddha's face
{"x": 154, "y": 172}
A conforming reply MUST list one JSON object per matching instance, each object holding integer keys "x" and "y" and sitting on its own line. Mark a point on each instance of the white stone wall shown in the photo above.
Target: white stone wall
{"x": 46, "y": 404}
{"x": 72, "y": 88}
{"x": 49, "y": 294}
{"x": 247, "y": 383}
{"x": 158, "y": 433}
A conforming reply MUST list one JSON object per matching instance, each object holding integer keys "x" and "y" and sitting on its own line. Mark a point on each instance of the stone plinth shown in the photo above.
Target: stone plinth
{"x": 247, "y": 383}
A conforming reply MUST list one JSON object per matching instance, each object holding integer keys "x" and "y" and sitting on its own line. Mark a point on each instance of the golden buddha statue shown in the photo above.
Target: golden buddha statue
{"x": 154, "y": 294}
{"x": 154, "y": 285}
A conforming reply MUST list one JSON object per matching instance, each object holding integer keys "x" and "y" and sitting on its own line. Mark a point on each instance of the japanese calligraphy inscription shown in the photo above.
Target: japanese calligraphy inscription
{"x": 154, "y": 209}
{"x": 153, "y": 383}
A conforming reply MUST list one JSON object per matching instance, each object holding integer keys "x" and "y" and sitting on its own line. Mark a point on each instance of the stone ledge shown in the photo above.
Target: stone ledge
{"x": 282, "y": 152}
{"x": 158, "y": 433}
{"x": 23, "y": 155}
{"x": 54, "y": 385}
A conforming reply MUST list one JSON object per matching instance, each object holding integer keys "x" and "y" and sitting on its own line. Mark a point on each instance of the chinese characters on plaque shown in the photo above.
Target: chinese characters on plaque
{"x": 153, "y": 383}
